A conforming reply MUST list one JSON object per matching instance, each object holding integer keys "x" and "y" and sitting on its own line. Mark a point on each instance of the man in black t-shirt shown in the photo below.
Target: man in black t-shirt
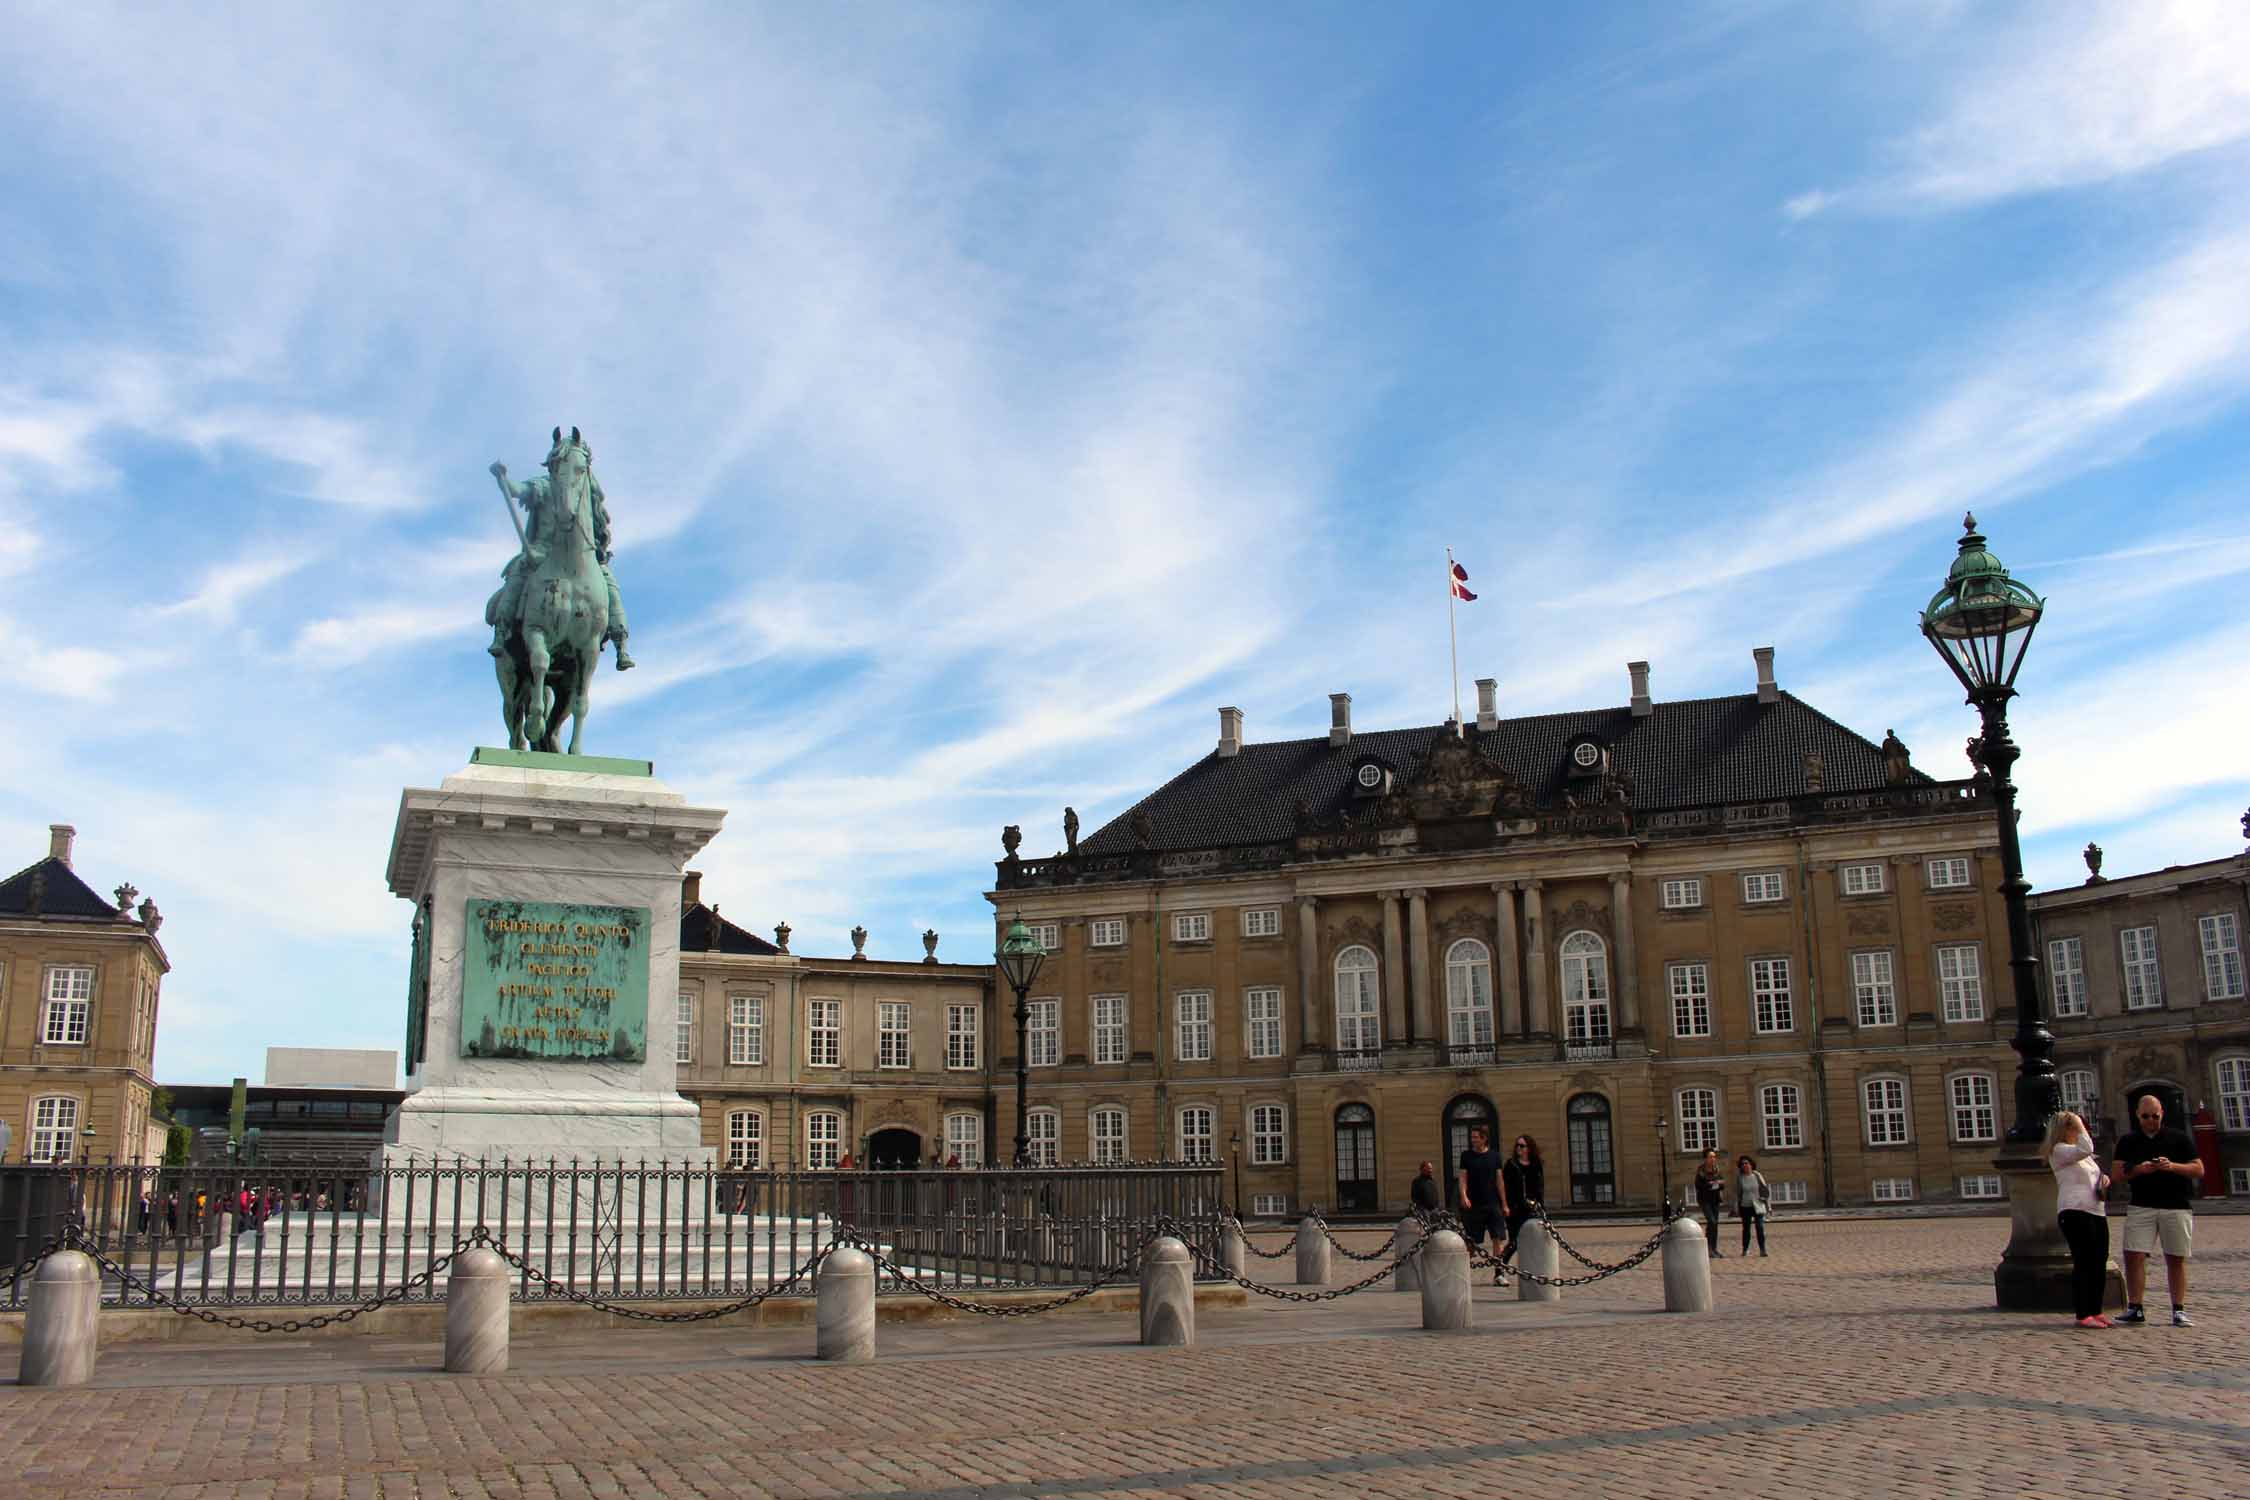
{"x": 1484, "y": 1203}
{"x": 2159, "y": 1162}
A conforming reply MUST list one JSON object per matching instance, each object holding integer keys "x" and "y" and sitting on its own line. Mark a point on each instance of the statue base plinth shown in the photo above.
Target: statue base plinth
{"x": 2035, "y": 1270}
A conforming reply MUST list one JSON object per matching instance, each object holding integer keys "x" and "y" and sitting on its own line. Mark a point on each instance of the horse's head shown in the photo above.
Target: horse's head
{"x": 569, "y": 461}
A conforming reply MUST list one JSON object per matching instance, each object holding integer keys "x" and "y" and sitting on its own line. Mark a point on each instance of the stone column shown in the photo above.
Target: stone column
{"x": 1167, "y": 1294}
{"x": 1687, "y": 1268}
{"x": 1394, "y": 972}
{"x": 1312, "y": 1253}
{"x": 1535, "y": 946}
{"x": 1234, "y": 1248}
{"x": 1537, "y": 1254}
{"x": 476, "y": 1314}
{"x": 1507, "y": 963}
{"x": 62, "y": 1324}
{"x": 1408, "y": 1276}
{"x": 1309, "y": 1033}
{"x": 1423, "y": 1016}
{"x": 1628, "y": 958}
{"x": 1445, "y": 1281}
{"x": 844, "y": 1307}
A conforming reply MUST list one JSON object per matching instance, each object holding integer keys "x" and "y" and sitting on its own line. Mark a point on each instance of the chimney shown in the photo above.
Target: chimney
{"x": 691, "y": 889}
{"x": 1769, "y": 691}
{"x": 1488, "y": 703}
{"x": 1643, "y": 705}
{"x": 1230, "y": 733}
{"x": 59, "y": 836}
{"x": 1339, "y": 718}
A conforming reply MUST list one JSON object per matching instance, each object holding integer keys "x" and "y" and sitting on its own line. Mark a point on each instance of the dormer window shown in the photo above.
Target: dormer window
{"x": 1587, "y": 757}
{"x": 1371, "y": 778}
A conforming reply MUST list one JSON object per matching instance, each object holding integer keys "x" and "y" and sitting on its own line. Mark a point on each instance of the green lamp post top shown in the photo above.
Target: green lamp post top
{"x": 1981, "y": 620}
{"x": 1020, "y": 953}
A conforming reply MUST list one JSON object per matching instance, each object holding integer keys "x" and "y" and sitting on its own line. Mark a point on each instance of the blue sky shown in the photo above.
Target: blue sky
{"x": 986, "y": 394}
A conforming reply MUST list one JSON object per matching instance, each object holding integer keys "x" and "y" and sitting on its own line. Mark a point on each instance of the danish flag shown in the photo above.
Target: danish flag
{"x": 1461, "y": 583}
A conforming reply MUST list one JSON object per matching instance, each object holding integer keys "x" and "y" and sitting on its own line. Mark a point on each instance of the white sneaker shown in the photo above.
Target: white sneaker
{"x": 2180, "y": 1319}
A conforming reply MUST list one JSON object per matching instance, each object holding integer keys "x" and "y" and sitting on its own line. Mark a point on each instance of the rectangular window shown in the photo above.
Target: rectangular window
{"x": 964, "y": 1140}
{"x": 1893, "y": 1190}
{"x": 1191, "y": 927}
{"x": 1983, "y": 1185}
{"x": 70, "y": 1006}
{"x": 1261, "y": 1011}
{"x": 1269, "y": 1135}
{"x": 1781, "y": 1115}
{"x": 1886, "y": 1111}
{"x": 2066, "y": 973}
{"x": 2234, "y": 1093}
{"x": 1761, "y": 888}
{"x": 1682, "y": 894}
{"x": 1691, "y": 998}
{"x": 1198, "y": 1124}
{"x": 746, "y": 1030}
{"x": 824, "y": 1140}
{"x": 1262, "y": 922}
{"x": 1359, "y": 1027}
{"x": 2144, "y": 980}
{"x": 1270, "y": 1205}
{"x": 961, "y": 1027}
{"x": 1107, "y": 1126}
{"x": 683, "y": 1030}
{"x": 2238, "y": 1179}
{"x": 1699, "y": 1119}
{"x": 2077, "y": 1089}
{"x": 824, "y": 1033}
{"x": 1106, "y": 932}
{"x": 1048, "y": 934}
{"x": 1975, "y": 1116}
{"x": 54, "y": 1128}
{"x": 1109, "y": 1028}
{"x": 1863, "y": 880}
{"x": 1769, "y": 995}
{"x": 1961, "y": 982}
{"x": 1045, "y": 1033}
{"x": 2221, "y": 936}
{"x": 746, "y": 1140}
{"x": 1788, "y": 1192}
{"x": 1873, "y": 988}
{"x": 1949, "y": 874}
{"x": 894, "y": 1034}
{"x": 1194, "y": 1011}
{"x": 1042, "y": 1129}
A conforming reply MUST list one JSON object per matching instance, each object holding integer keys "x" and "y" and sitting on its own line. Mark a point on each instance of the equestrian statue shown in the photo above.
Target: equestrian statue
{"x": 557, "y": 604}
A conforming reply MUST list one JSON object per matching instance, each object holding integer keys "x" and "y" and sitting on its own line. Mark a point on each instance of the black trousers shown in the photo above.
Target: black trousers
{"x": 1751, "y": 1216}
{"x": 1515, "y": 1230}
{"x": 2088, "y": 1236}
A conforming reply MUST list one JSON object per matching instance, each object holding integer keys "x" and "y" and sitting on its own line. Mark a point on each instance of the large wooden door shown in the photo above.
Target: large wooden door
{"x": 1357, "y": 1190}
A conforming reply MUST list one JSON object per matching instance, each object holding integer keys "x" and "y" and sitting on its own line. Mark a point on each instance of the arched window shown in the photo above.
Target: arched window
{"x": 1468, "y": 995}
{"x": 1593, "y": 1164}
{"x": 964, "y": 1139}
{"x": 746, "y": 1139}
{"x": 1359, "y": 1025}
{"x": 2079, "y": 1092}
{"x": 1781, "y": 1117}
{"x": 1107, "y": 1128}
{"x": 1043, "y": 1136}
{"x": 54, "y": 1128}
{"x": 1199, "y": 1128}
{"x": 1462, "y": 1116}
{"x": 1585, "y": 988}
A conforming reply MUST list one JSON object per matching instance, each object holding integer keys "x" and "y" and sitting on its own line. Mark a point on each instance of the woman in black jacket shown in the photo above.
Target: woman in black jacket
{"x": 1710, "y": 1196}
{"x": 1524, "y": 1180}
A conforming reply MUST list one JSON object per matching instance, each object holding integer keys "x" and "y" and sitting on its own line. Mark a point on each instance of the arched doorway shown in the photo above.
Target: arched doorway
{"x": 1465, "y": 1113}
{"x": 1357, "y": 1191}
{"x": 896, "y": 1148}
{"x": 2170, "y": 1095}
{"x": 1593, "y": 1162}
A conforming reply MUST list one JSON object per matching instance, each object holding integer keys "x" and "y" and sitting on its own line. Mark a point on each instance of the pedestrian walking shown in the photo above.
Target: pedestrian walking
{"x": 1710, "y": 1196}
{"x": 1523, "y": 1181}
{"x": 2158, "y": 1162}
{"x": 1425, "y": 1194}
{"x": 1753, "y": 1200}
{"x": 1484, "y": 1211}
{"x": 2079, "y": 1185}
{"x": 143, "y": 1214}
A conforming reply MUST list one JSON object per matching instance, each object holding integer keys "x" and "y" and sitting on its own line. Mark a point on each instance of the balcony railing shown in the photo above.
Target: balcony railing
{"x": 1480, "y": 1056}
{"x": 1352, "y": 1061}
{"x": 1600, "y": 1051}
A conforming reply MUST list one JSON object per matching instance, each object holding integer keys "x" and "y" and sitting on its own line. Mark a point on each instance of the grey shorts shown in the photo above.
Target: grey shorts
{"x": 2171, "y": 1228}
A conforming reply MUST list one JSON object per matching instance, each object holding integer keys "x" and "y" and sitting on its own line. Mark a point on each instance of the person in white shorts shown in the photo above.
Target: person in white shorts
{"x": 2160, "y": 1165}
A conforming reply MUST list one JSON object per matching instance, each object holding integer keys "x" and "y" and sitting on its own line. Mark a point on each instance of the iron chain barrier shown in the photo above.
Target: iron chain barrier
{"x": 1251, "y": 1245}
{"x": 1599, "y": 1272}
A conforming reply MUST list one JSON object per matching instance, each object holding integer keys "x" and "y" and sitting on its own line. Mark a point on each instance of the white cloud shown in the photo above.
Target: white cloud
{"x": 345, "y": 640}
{"x": 223, "y": 589}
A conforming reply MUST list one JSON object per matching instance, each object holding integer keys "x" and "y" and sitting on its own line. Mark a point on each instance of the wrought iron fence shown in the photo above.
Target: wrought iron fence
{"x": 233, "y": 1236}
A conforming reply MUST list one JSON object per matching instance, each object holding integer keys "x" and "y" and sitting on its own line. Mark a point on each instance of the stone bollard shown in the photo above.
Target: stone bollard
{"x": 1687, "y": 1267}
{"x": 1445, "y": 1281}
{"x": 844, "y": 1307}
{"x": 1234, "y": 1248}
{"x": 63, "y": 1322}
{"x": 1167, "y": 1293}
{"x": 1408, "y": 1277}
{"x": 1538, "y": 1255}
{"x": 476, "y": 1314}
{"x": 1312, "y": 1253}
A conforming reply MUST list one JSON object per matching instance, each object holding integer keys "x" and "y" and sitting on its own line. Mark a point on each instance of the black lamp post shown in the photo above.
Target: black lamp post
{"x": 1234, "y": 1145}
{"x": 1019, "y": 958}
{"x": 1664, "y": 1161}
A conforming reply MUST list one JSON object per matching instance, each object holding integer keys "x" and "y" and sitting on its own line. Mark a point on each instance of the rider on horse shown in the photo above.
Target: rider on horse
{"x": 503, "y": 610}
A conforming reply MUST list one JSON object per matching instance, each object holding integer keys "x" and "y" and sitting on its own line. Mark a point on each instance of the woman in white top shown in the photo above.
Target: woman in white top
{"x": 2079, "y": 1185}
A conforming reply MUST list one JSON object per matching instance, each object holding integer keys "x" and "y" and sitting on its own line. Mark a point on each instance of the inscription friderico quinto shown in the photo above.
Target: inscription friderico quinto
{"x": 555, "y": 982}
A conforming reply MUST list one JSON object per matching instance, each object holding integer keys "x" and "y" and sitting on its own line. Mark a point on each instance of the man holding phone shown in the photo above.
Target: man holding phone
{"x": 2159, "y": 1163}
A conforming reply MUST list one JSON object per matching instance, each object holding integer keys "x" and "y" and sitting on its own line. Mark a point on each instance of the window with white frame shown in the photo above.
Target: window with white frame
{"x": 1191, "y": 927}
{"x": 1585, "y": 984}
{"x": 1269, "y": 1135}
{"x": 1761, "y": 887}
{"x": 1044, "y": 1032}
{"x": 1983, "y": 1185}
{"x": 1960, "y": 971}
{"x": 2234, "y": 1093}
{"x": 746, "y": 1030}
{"x": 2238, "y": 1179}
{"x": 1042, "y": 1129}
{"x": 1198, "y": 1126}
{"x": 1976, "y": 1113}
{"x": 1261, "y": 1014}
{"x": 962, "y": 1023}
{"x": 1690, "y": 985}
{"x": 964, "y": 1138}
{"x": 1885, "y": 1107}
{"x": 1468, "y": 994}
{"x": 1788, "y": 1192}
{"x": 1106, "y": 1127}
{"x": 1874, "y": 988}
{"x": 824, "y": 1139}
{"x": 1106, "y": 932}
{"x": 2066, "y": 974}
{"x": 1771, "y": 1006}
{"x": 746, "y": 1139}
{"x": 2077, "y": 1089}
{"x": 1193, "y": 1010}
{"x": 1109, "y": 1028}
{"x": 1892, "y": 1189}
{"x": 70, "y": 1006}
{"x": 1681, "y": 894}
{"x": 1359, "y": 1026}
{"x": 1262, "y": 921}
{"x": 1699, "y": 1118}
{"x": 824, "y": 1033}
{"x": 894, "y": 1034}
{"x": 1269, "y": 1205}
{"x": 1948, "y": 874}
{"x": 1863, "y": 880}
{"x": 1781, "y": 1117}
{"x": 54, "y": 1128}
{"x": 2221, "y": 936}
{"x": 683, "y": 1030}
{"x": 2144, "y": 979}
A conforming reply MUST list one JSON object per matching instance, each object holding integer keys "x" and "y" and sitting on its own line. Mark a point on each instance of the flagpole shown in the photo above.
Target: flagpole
{"x": 1453, "y": 633}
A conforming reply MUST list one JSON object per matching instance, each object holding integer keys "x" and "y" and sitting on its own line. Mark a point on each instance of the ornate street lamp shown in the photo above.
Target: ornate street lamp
{"x": 1019, "y": 958}
{"x": 1234, "y": 1145}
{"x": 1664, "y": 1161}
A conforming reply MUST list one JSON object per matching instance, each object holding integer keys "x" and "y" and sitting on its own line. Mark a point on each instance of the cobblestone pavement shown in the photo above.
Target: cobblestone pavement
{"x": 1861, "y": 1359}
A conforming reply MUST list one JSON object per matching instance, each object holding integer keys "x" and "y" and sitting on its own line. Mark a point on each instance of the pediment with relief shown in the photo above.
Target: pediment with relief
{"x": 1456, "y": 781}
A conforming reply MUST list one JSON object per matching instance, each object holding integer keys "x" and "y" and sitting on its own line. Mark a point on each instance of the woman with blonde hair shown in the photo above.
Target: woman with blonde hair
{"x": 2079, "y": 1185}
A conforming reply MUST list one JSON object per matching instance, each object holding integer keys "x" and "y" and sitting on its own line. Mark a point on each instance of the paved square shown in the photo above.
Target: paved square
{"x": 1862, "y": 1359}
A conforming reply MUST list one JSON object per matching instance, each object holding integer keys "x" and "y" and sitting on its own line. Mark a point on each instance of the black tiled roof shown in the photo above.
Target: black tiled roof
{"x": 1684, "y": 754}
{"x": 695, "y": 934}
{"x": 61, "y": 893}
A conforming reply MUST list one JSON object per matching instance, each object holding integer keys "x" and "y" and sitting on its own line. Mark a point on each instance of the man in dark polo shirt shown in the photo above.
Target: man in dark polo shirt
{"x": 2160, "y": 1164}
{"x": 1484, "y": 1203}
